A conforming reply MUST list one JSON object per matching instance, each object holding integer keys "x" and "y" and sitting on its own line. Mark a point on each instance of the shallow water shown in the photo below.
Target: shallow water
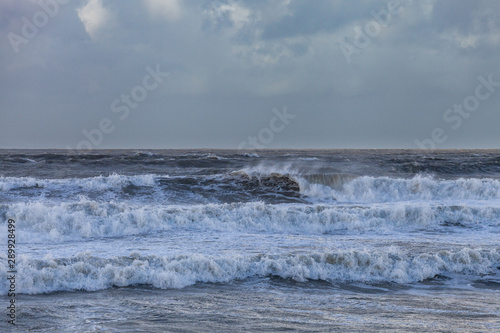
{"x": 266, "y": 304}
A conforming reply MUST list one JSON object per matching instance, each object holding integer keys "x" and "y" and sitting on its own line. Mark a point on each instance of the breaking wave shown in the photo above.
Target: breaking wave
{"x": 256, "y": 186}
{"x": 352, "y": 188}
{"x": 385, "y": 189}
{"x": 87, "y": 272}
{"x": 99, "y": 183}
{"x": 41, "y": 222}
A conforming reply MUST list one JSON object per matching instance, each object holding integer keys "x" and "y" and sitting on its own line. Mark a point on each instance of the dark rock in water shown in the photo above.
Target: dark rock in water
{"x": 280, "y": 183}
{"x": 274, "y": 187}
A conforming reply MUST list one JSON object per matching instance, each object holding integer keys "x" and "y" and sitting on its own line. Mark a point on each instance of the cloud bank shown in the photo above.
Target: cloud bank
{"x": 364, "y": 74}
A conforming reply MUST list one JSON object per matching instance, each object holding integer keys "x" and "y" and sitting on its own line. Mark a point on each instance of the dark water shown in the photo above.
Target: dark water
{"x": 183, "y": 240}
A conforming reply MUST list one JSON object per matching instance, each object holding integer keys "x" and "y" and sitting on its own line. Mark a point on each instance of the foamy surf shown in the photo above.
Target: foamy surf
{"x": 330, "y": 232}
{"x": 258, "y": 186}
{"x": 41, "y": 222}
{"x": 88, "y": 272}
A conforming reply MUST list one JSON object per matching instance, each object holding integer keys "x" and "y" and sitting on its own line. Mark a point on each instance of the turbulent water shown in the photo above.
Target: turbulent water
{"x": 172, "y": 240}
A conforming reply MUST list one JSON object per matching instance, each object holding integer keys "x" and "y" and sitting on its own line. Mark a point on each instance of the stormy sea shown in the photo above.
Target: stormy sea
{"x": 257, "y": 241}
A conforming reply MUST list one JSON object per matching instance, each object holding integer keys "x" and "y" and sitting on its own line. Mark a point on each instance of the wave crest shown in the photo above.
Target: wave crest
{"x": 86, "y": 272}
{"x": 39, "y": 222}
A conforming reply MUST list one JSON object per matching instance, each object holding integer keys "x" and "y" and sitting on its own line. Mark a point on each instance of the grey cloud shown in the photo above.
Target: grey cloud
{"x": 232, "y": 62}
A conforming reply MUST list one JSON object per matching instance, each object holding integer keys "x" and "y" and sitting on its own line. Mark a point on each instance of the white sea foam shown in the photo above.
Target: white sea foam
{"x": 351, "y": 188}
{"x": 384, "y": 189}
{"x": 100, "y": 183}
{"x": 213, "y": 157}
{"x": 42, "y": 222}
{"x": 250, "y": 154}
{"x": 87, "y": 272}
{"x": 337, "y": 186}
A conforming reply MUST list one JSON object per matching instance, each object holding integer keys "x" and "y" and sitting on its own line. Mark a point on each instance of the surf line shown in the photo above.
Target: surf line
{"x": 11, "y": 263}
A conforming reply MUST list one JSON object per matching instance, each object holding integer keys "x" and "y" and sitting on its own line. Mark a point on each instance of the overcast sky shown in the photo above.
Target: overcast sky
{"x": 208, "y": 74}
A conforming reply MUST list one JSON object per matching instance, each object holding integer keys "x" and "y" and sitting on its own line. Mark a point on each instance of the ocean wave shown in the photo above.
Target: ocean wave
{"x": 202, "y": 188}
{"x": 42, "y": 222}
{"x": 352, "y": 188}
{"x": 87, "y": 272}
{"x": 141, "y": 153}
{"x": 249, "y": 155}
{"x": 212, "y": 156}
{"x": 277, "y": 186}
{"x": 21, "y": 160}
{"x": 100, "y": 183}
{"x": 385, "y": 189}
